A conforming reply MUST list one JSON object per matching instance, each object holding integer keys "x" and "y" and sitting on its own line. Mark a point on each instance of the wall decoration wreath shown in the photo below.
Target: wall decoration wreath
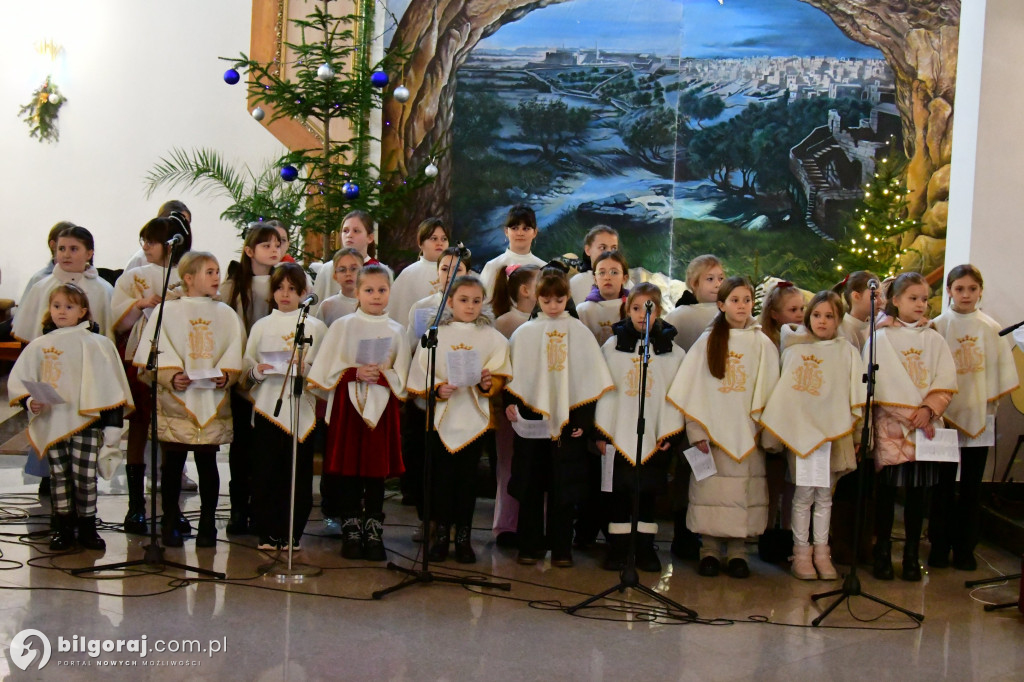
{"x": 42, "y": 111}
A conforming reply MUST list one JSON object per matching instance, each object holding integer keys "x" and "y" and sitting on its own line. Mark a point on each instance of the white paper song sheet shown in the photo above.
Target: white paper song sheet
{"x": 531, "y": 428}
{"x": 607, "y": 468}
{"x": 421, "y": 320}
{"x": 203, "y": 378}
{"x": 944, "y": 447}
{"x": 373, "y": 351}
{"x": 43, "y": 393}
{"x": 703, "y": 465}
{"x": 813, "y": 470}
{"x": 278, "y": 359}
{"x": 986, "y": 438}
{"x": 464, "y": 367}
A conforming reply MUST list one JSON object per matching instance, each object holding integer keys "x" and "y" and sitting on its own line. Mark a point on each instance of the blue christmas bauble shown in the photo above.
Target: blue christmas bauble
{"x": 289, "y": 173}
{"x": 379, "y": 79}
{"x": 231, "y": 76}
{"x": 351, "y": 190}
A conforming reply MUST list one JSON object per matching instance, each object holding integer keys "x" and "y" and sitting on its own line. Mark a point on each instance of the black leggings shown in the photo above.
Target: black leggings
{"x": 885, "y": 512}
{"x": 453, "y": 481}
{"x": 205, "y": 456}
{"x": 358, "y": 494}
{"x": 954, "y": 522}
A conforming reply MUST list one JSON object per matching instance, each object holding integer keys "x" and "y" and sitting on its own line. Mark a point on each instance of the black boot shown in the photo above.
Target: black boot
{"x": 618, "y": 546}
{"x": 373, "y": 538}
{"x": 646, "y": 556}
{"x": 206, "y": 536}
{"x": 464, "y": 553}
{"x": 439, "y": 543}
{"x": 135, "y": 519}
{"x": 169, "y": 532}
{"x": 882, "y": 569}
{"x": 351, "y": 538}
{"x": 87, "y": 535}
{"x": 238, "y": 523}
{"x": 685, "y": 543}
{"x": 63, "y": 536}
{"x": 44, "y": 488}
{"x": 911, "y": 564}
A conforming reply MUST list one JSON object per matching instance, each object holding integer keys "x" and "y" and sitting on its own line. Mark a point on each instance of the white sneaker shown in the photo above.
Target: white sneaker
{"x": 187, "y": 484}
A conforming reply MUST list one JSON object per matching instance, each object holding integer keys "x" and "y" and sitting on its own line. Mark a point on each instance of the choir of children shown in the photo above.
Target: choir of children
{"x": 713, "y": 382}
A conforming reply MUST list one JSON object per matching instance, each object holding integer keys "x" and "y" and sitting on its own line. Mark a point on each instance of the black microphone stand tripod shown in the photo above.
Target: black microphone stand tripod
{"x": 154, "y": 552}
{"x": 424, "y": 576}
{"x": 629, "y": 576}
{"x": 851, "y": 583}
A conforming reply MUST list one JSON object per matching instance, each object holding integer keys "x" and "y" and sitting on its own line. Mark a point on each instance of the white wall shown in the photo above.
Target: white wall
{"x": 140, "y": 78}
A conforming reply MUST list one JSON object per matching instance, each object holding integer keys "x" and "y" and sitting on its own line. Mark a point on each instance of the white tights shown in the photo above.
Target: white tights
{"x": 803, "y": 497}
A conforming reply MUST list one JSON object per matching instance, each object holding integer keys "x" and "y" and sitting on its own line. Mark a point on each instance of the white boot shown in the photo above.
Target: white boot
{"x": 823, "y": 562}
{"x": 802, "y": 567}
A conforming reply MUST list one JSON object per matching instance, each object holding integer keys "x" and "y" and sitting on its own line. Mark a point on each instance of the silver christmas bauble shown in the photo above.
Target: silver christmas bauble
{"x": 402, "y": 93}
{"x": 325, "y": 72}
{"x": 258, "y": 114}
{"x": 431, "y": 170}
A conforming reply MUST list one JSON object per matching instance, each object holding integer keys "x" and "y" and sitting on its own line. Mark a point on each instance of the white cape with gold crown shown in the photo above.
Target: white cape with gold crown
{"x": 819, "y": 397}
{"x": 140, "y": 282}
{"x": 718, "y": 405}
{"x": 541, "y": 352}
{"x": 339, "y": 354}
{"x": 618, "y": 410}
{"x": 985, "y": 370}
{"x": 922, "y": 353}
{"x": 86, "y": 372}
{"x": 197, "y": 333}
{"x": 467, "y": 413}
{"x": 276, "y": 332}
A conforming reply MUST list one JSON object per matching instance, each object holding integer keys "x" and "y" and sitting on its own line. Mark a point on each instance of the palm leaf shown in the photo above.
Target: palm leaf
{"x": 203, "y": 170}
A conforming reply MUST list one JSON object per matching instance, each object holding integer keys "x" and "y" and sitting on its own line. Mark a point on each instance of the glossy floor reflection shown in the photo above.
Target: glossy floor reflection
{"x": 329, "y": 628}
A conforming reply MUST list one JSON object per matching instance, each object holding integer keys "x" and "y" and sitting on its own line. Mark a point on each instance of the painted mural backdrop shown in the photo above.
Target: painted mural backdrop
{"x": 745, "y": 128}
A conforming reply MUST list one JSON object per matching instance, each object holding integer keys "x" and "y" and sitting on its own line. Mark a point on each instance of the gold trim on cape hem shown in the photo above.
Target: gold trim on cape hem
{"x": 302, "y": 438}
{"x": 797, "y": 452}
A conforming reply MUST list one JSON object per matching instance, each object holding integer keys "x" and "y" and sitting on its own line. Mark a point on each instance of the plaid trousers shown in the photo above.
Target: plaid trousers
{"x": 73, "y": 472}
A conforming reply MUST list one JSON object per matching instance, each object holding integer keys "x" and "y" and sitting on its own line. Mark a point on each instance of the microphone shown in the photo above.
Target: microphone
{"x": 649, "y": 305}
{"x": 310, "y": 299}
{"x": 873, "y": 284}
{"x": 466, "y": 253}
{"x": 1011, "y": 328}
{"x": 176, "y": 240}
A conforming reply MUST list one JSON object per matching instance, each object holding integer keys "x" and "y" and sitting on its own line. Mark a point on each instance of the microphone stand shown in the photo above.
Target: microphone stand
{"x": 154, "y": 552}
{"x": 298, "y": 571}
{"x": 432, "y": 443}
{"x": 851, "y": 583}
{"x": 629, "y": 576}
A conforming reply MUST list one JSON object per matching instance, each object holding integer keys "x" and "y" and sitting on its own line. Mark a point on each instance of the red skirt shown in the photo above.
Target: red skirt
{"x": 354, "y": 449}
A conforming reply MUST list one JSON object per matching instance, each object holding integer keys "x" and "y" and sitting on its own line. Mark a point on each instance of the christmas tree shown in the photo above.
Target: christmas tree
{"x": 332, "y": 80}
{"x": 874, "y": 235}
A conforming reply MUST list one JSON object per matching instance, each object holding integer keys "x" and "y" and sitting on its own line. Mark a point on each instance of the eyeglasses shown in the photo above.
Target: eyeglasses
{"x": 143, "y": 242}
{"x": 607, "y": 273}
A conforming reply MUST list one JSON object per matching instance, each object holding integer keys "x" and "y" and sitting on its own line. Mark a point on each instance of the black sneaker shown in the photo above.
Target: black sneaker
{"x": 737, "y": 568}
{"x": 964, "y": 561}
{"x": 352, "y": 539}
{"x": 709, "y": 567}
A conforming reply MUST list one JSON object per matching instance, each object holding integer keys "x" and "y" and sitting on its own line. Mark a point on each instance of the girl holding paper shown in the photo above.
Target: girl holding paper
{"x": 362, "y": 369}
{"x": 272, "y": 461}
{"x": 559, "y": 373}
{"x": 916, "y": 380}
{"x": 721, "y": 387}
{"x": 616, "y": 420}
{"x": 462, "y": 412}
{"x": 200, "y": 343}
{"x": 813, "y": 411}
{"x": 84, "y": 370}
{"x": 985, "y": 372}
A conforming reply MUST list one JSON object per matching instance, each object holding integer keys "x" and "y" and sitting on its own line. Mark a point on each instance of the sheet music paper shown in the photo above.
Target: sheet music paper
{"x": 607, "y": 468}
{"x": 813, "y": 471}
{"x": 986, "y": 438}
{"x": 531, "y": 428}
{"x": 278, "y": 359}
{"x": 703, "y": 465}
{"x": 1018, "y": 337}
{"x": 944, "y": 447}
{"x": 43, "y": 393}
{"x": 421, "y": 320}
{"x": 373, "y": 351}
{"x": 203, "y": 378}
{"x": 464, "y": 367}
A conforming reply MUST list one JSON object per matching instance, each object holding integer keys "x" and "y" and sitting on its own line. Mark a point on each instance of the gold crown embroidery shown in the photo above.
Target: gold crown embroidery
{"x": 968, "y": 356}
{"x": 51, "y": 369}
{"x": 916, "y": 369}
{"x": 557, "y": 351}
{"x": 633, "y": 380}
{"x": 462, "y": 346}
{"x": 140, "y": 284}
{"x": 52, "y": 351}
{"x": 200, "y": 340}
{"x": 808, "y": 377}
{"x": 735, "y": 378}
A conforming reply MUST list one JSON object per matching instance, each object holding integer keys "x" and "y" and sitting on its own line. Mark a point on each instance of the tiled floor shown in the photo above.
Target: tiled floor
{"x": 329, "y": 627}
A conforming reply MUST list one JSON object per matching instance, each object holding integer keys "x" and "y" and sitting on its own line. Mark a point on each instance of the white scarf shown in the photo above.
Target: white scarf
{"x": 618, "y": 410}
{"x": 276, "y": 332}
{"x": 599, "y": 316}
{"x": 720, "y": 405}
{"x": 985, "y": 370}
{"x": 83, "y": 368}
{"x": 338, "y": 354}
{"x": 28, "y": 322}
{"x": 922, "y": 355}
{"x": 508, "y": 323}
{"x": 132, "y": 285}
{"x": 819, "y": 397}
{"x": 542, "y": 351}
{"x": 466, "y": 414}
{"x": 413, "y": 283}
{"x": 335, "y": 308}
{"x": 197, "y": 333}
{"x": 432, "y": 302}
{"x": 690, "y": 322}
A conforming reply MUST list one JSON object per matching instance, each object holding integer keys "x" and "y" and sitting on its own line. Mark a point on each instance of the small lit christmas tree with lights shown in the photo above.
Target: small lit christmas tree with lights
{"x": 874, "y": 234}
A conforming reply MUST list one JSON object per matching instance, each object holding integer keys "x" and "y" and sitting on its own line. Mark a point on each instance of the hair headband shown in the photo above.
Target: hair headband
{"x": 509, "y": 269}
